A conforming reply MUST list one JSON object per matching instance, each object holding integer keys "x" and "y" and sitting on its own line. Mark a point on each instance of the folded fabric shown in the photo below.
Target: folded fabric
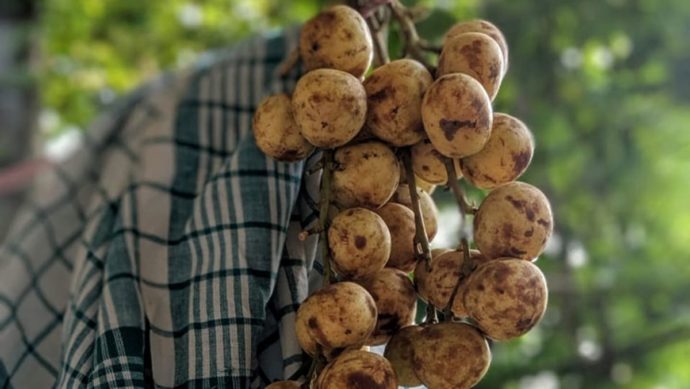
{"x": 165, "y": 252}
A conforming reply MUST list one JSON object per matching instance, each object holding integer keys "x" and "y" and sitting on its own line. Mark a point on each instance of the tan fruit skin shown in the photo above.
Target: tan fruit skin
{"x": 360, "y": 243}
{"x": 436, "y": 283}
{"x": 429, "y": 164}
{"x": 337, "y": 38}
{"x": 429, "y": 209}
{"x": 329, "y": 106}
{"x": 394, "y": 95}
{"x": 457, "y": 115}
{"x": 276, "y": 132}
{"x": 358, "y": 369}
{"x": 284, "y": 385}
{"x": 450, "y": 356}
{"x": 514, "y": 220}
{"x": 396, "y": 302}
{"x": 484, "y": 27}
{"x": 399, "y": 351}
{"x": 505, "y": 156}
{"x": 506, "y": 297}
{"x": 475, "y": 54}
{"x": 400, "y": 222}
{"x": 338, "y": 316}
{"x": 366, "y": 174}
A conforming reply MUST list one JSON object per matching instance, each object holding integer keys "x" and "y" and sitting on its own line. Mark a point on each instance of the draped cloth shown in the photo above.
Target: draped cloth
{"x": 165, "y": 252}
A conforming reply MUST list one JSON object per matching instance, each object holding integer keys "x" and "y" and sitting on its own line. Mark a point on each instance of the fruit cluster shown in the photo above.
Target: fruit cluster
{"x": 388, "y": 138}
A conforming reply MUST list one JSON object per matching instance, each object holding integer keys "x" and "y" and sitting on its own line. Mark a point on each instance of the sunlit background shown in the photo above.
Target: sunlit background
{"x": 603, "y": 84}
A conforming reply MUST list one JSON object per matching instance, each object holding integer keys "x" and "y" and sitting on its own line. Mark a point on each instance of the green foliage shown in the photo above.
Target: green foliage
{"x": 605, "y": 87}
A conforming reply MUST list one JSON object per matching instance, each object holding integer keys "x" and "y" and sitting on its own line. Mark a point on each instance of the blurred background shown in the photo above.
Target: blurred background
{"x": 603, "y": 84}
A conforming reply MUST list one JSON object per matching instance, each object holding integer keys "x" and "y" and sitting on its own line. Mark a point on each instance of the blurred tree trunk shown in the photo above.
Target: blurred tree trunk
{"x": 18, "y": 94}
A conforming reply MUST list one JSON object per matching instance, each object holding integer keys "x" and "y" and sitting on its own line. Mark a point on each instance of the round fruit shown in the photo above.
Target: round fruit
{"x": 484, "y": 27}
{"x": 337, "y": 38}
{"x": 358, "y": 370}
{"x": 394, "y": 96}
{"x": 435, "y": 283}
{"x": 396, "y": 302}
{"x": 514, "y": 220}
{"x": 450, "y": 356}
{"x": 400, "y": 222}
{"x": 457, "y": 115}
{"x": 400, "y": 351}
{"x": 338, "y": 316}
{"x": 475, "y": 54}
{"x": 504, "y": 157}
{"x": 365, "y": 174}
{"x": 360, "y": 243}
{"x": 429, "y": 210}
{"x": 430, "y": 165}
{"x": 284, "y": 385}
{"x": 276, "y": 132}
{"x": 330, "y": 107}
{"x": 506, "y": 297}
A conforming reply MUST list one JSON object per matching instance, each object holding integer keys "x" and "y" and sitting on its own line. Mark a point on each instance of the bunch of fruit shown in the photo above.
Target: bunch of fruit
{"x": 388, "y": 137}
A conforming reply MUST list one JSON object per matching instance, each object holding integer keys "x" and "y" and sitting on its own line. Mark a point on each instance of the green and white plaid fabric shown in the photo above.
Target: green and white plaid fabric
{"x": 165, "y": 253}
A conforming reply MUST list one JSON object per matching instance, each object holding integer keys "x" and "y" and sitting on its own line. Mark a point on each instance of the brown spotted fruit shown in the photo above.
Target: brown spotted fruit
{"x": 400, "y": 222}
{"x": 457, "y": 115}
{"x": 338, "y": 316}
{"x": 436, "y": 282}
{"x": 484, "y": 27}
{"x": 430, "y": 165}
{"x": 396, "y": 302}
{"x": 330, "y": 107}
{"x": 276, "y": 132}
{"x": 505, "y": 156}
{"x": 429, "y": 209}
{"x": 358, "y": 370}
{"x": 450, "y": 355}
{"x": 506, "y": 297}
{"x": 514, "y": 220}
{"x": 365, "y": 174}
{"x": 284, "y": 385}
{"x": 394, "y": 96}
{"x": 359, "y": 242}
{"x": 475, "y": 54}
{"x": 400, "y": 352}
{"x": 337, "y": 38}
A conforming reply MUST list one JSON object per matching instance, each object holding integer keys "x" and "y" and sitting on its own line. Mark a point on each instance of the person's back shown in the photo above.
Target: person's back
{"x": 165, "y": 253}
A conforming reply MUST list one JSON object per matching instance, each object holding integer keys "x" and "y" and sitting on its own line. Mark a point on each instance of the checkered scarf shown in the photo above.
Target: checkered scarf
{"x": 165, "y": 252}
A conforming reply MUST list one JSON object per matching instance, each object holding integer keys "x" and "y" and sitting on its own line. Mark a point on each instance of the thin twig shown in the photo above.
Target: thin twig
{"x": 454, "y": 185}
{"x": 431, "y": 314}
{"x": 378, "y": 32}
{"x": 421, "y": 240}
{"x": 288, "y": 63}
{"x": 467, "y": 266}
{"x": 317, "y": 364}
{"x": 410, "y": 36}
{"x": 324, "y": 204}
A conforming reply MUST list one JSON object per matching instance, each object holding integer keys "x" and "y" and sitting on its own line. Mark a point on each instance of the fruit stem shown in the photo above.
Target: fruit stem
{"x": 431, "y": 315}
{"x": 466, "y": 268}
{"x": 414, "y": 46}
{"x": 324, "y": 204}
{"x": 288, "y": 63}
{"x": 421, "y": 240}
{"x": 317, "y": 364}
{"x": 466, "y": 208}
{"x": 378, "y": 33}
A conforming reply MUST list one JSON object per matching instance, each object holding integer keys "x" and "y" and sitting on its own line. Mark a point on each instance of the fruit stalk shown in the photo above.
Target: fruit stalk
{"x": 414, "y": 45}
{"x": 421, "y": 243}
{"x": 465, "y": 208}
{"x": 324, "y": 204}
